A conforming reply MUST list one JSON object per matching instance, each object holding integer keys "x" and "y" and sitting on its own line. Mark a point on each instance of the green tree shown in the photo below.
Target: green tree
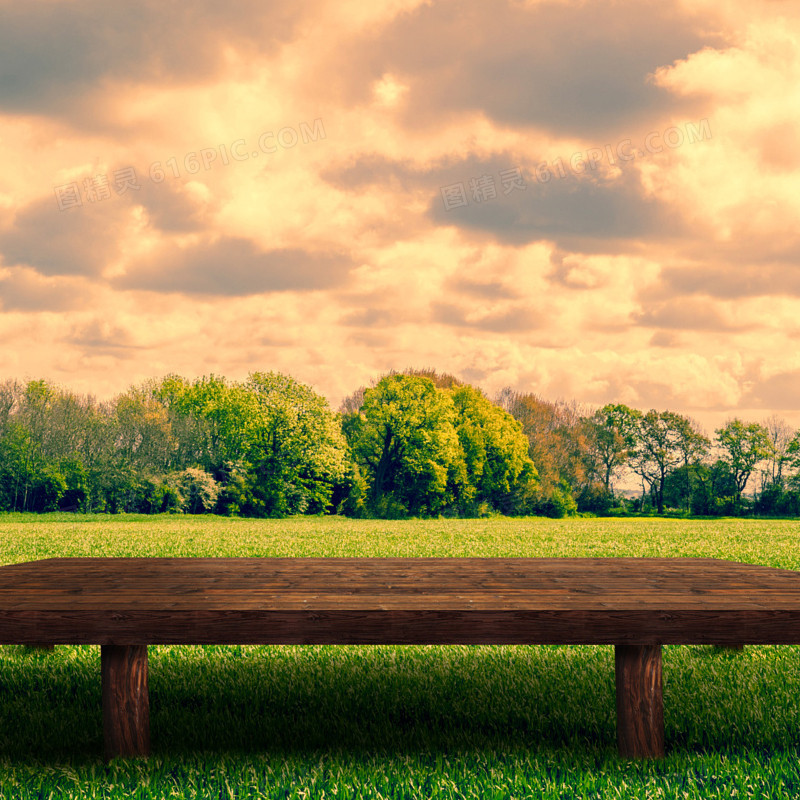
{"x": 662, "y": 442}
{"x": 612, "y": 439}
{"x": 495, "y": 449}
{"x": 743, "y": 446}
{"x": 406, "y": 443}
{"x": 197, "y": 490}
{"x": 295, "y": 445}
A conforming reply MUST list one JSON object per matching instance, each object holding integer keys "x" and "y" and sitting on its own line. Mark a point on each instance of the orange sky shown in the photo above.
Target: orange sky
{"x": 596, "y": 201}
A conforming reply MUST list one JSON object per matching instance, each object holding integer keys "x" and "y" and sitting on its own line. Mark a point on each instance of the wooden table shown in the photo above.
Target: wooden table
{"x": 636, "y": 604}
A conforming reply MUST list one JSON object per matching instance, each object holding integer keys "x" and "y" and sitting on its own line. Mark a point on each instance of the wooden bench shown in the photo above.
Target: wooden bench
{"x": 635, "y": 604}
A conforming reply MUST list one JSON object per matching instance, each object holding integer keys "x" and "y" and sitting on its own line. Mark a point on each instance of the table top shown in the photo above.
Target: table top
{"x": 395, "y": 584}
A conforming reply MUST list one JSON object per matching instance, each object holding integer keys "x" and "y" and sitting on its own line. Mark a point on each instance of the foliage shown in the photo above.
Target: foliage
{"x": 743, "y": 447}
{"x": 663, "y": 441}
{"x": 495, "y": 451}
{"x": 416, "y": 443}
{"x": 197, "y": 491}
{"x": 558, "y": 503}
{"x": 611, "y": 433}
{"x": 404, "y": 440}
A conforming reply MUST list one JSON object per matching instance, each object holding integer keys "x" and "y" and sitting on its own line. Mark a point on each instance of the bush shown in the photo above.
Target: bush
{"x": 197, "y": 490}
{"x": 558, "y": 504}
{"x": 389, "y": 507}
{"x": 618, "y": 511}
{"x": 48, "y": 488}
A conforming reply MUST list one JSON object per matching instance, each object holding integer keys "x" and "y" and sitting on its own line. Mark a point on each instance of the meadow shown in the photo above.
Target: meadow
{"x": 392, "y": 721}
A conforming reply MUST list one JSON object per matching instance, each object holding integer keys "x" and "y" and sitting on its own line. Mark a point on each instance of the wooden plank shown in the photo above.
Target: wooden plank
{"x": 395, "y": 584}
{"x": 640, "y": 709}
{"x": 126, "y": 702}
{"x": 664, "y": 604}
{"x": 635, "y": 604}
{"x": 400, "y": 627}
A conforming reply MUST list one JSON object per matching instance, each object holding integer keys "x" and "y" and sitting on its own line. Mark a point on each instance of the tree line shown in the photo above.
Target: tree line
{"x": 416, "y": 443}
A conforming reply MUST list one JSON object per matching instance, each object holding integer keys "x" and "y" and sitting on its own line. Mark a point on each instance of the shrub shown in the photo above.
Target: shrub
{"x": 197, "y": 490}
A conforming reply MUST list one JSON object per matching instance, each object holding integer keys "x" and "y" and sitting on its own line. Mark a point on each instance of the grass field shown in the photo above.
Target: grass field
{"x": 400, "y": 722}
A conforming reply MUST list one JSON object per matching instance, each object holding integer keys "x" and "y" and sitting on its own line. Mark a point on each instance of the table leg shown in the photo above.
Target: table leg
{"x": 640, "y": 709}
{"x": 126, "y": 704}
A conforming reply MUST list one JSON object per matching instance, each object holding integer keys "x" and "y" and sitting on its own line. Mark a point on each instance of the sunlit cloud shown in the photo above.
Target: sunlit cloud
{"x": 595, "y": 201}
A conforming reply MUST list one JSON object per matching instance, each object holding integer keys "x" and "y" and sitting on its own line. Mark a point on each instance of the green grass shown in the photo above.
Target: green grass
{"x": 400, "y": 722}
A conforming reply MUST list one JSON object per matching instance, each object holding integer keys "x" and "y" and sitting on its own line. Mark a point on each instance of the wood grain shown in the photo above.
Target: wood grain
{"x": 126, "y": 702}
{"x": 396, "y": 600}
{"x": 640, "y": 710}
{"x": 636, "y": 604}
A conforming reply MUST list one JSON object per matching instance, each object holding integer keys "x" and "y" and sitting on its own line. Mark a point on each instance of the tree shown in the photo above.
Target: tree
{"x": 743, "y": 446}
{"x": 612, "y": 439}
{"x": 780, "y": 436}
{"x": 404, "y": 439}
{"x": 694, "y": 447}
{"x": 206, "y": 421}
{"x": 495, "y": 449}
{"x": 295, "y": 446}
{"x": 662, "y": 442}
{"x": 557, "y": 445}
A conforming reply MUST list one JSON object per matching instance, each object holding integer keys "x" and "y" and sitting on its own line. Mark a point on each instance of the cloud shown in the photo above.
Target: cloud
{"x": 23, "y": 289}
{"x": 688, "y": 314}
{"x": 77, "y": 241}
{"x": 370, "y": 317}
{"x": 235, "y": 266}
{"x": 104, "y": 338}
{"x": 55, "y": 54}
{"x": 175, "y": 207}
{"x": 731, "y": 280}
{"x": 778, "y": 392}
{"x": 485, "y": 290}
{"x": 508, "y": 320}
{"x": 593, "y": 213}
{"x": 574, "y": 69}
{"x": 588, "y": 212}
{"x": 85, "y": 239}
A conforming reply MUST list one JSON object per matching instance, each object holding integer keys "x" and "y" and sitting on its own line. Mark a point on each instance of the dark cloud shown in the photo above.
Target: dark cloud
{"x": 76, "y": 241}
{"x": 665, "y": 339}
{"x": 234, "y": 266}
{"x": 588, "y": 212}
{"x": 25, "y": 290}
{"x": 573, "y": 69}
{"x": 730, "y": 281}
{"x": 781, "y": 392}
{"x": 581, "y": 213}
{"x": 370, "y": 317}
{"x": 488, "y": 290}
{"x": 82, "y": 240}
{"x": 690, "y": 314}
{"x": 53, "y": 53}
{"x": 375, "y": 169}
{"x": 575, "y": 276}
{"x": 506, "y": 321}
{"x": 101, "y": 338}
{"x": 171, "y": 207}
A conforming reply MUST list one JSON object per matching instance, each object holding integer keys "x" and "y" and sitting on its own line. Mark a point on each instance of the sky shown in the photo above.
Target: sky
{"x": 590, "y": 201}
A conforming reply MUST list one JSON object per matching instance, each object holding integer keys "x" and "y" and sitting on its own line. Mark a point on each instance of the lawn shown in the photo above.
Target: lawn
{"x": 400, "y": 722}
